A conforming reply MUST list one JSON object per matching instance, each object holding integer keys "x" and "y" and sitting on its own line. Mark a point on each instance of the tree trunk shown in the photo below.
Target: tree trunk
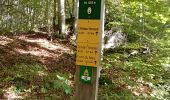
{"x": 69, "y": 8}
{"x": 61, "y": 16}
{"x": 75, "y": 16}
{"x": 55, "y": 14}
{"x": 32, "y": 21}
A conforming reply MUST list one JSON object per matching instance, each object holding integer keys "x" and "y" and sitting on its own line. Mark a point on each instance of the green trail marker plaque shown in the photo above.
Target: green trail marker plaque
{"x": 85, "y": 74}
{"x": 89, "y": 9}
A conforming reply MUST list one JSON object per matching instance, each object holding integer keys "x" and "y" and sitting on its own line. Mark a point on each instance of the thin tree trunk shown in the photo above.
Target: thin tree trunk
{"x": 48, "y": 16}
{"x": 45, "y": 13}
{"x": 61, "y": 19}
{"x": 33, "y": 20}
{"x": 55, "y": 14}
{"x": 69, "y": 9}
{"x": 75, "y": 16}
{"x": 48, "y": 20}
{"x": 1, "y": 17}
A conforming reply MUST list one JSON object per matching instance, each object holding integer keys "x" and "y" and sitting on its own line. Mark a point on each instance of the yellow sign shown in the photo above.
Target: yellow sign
{"x": 87, "y": 54}
{"x": 88, "y": 42}
{"x": 88, "y": 31}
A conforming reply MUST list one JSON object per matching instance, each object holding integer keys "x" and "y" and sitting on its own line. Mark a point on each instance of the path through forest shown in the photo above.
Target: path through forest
{"x": 29, "y": 48}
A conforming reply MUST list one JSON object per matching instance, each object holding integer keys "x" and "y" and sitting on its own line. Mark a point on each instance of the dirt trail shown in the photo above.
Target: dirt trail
{"x": 55, "y": 55}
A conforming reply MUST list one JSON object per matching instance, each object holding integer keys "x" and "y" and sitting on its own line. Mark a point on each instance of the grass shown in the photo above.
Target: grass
{"x": 135, "y": 77}
{"x": 34, "y": 81}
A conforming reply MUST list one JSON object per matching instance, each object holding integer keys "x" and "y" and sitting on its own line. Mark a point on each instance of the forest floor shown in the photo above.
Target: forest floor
{"x": 33, "y": 67}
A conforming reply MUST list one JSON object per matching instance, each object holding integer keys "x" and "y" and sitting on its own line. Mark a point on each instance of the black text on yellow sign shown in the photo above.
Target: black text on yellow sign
{"x": 88, "y": 42}
{"x": 88, "y": 31}
{"x": 87, "y": 54}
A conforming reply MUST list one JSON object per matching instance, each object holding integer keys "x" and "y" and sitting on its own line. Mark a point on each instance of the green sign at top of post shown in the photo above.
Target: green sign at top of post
{"x": 89, "y": 9}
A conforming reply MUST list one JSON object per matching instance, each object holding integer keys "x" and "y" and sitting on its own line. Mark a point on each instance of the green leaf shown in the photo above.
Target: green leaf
{"x": 55, "y": 84}
{"x": 66, "y": 88}
{"x": 61, "y": 78}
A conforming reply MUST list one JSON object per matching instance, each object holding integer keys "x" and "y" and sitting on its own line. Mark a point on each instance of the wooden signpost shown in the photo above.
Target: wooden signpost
{"x": 89, "y": 41}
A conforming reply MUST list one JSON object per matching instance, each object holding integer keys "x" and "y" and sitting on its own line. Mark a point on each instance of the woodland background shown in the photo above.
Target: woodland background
{"x": 38, "y": 49}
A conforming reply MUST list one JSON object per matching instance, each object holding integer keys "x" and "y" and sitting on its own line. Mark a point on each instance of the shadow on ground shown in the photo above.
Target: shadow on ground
{"x": 33, "y": 67}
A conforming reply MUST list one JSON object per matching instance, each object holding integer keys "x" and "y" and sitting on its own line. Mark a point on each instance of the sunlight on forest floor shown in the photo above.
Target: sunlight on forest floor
{"x": 42, "y": 48}
{"x": 10, "y": 94}
{"x": 5, "y": 40}
{"x": 37, "y": 61}
{"x": 45, "y": 43}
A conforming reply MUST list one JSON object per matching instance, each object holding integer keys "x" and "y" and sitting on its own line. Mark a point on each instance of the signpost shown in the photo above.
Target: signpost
{"x": 89, "y": 42}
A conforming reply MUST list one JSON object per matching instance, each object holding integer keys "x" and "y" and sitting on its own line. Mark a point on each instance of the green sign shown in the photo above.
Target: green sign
{"x": 89, "y": 9}
{"x": 85, "y": 74}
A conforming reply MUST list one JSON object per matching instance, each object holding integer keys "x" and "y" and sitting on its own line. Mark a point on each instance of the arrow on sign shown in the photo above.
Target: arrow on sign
{"x": 96, "y": 33}
{"x": 95, "y": 52}
{"x": 95, "y": 62}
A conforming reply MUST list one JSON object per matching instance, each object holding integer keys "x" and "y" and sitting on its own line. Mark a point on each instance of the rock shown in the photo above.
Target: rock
{"x": 113, "y": 39}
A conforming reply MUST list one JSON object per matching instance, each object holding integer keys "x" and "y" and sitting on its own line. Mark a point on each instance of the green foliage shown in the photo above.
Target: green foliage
{"x": 146, "y": 24}
{"x": 30, "y": 78}
{"x": 24, "y": 15}
{"x": 63, "y": 83}
{"x": 126, "y": 75}
{"x": 114, "y": 93}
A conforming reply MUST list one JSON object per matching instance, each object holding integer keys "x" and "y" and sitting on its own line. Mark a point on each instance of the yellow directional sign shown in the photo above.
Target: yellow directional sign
{"x": 87, "y": 54}
{"x": 88, "y": 31}
{"x": 88, "y": 42}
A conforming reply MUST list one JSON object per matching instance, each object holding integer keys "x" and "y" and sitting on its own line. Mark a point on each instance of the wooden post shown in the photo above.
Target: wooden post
{"x": 89, "y": 47}
{"x": 86, "y": 91}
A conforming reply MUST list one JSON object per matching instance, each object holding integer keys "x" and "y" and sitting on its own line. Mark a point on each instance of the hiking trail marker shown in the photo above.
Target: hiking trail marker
{"x": 85, "y": 74}
{"x": 89, "y": 41}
